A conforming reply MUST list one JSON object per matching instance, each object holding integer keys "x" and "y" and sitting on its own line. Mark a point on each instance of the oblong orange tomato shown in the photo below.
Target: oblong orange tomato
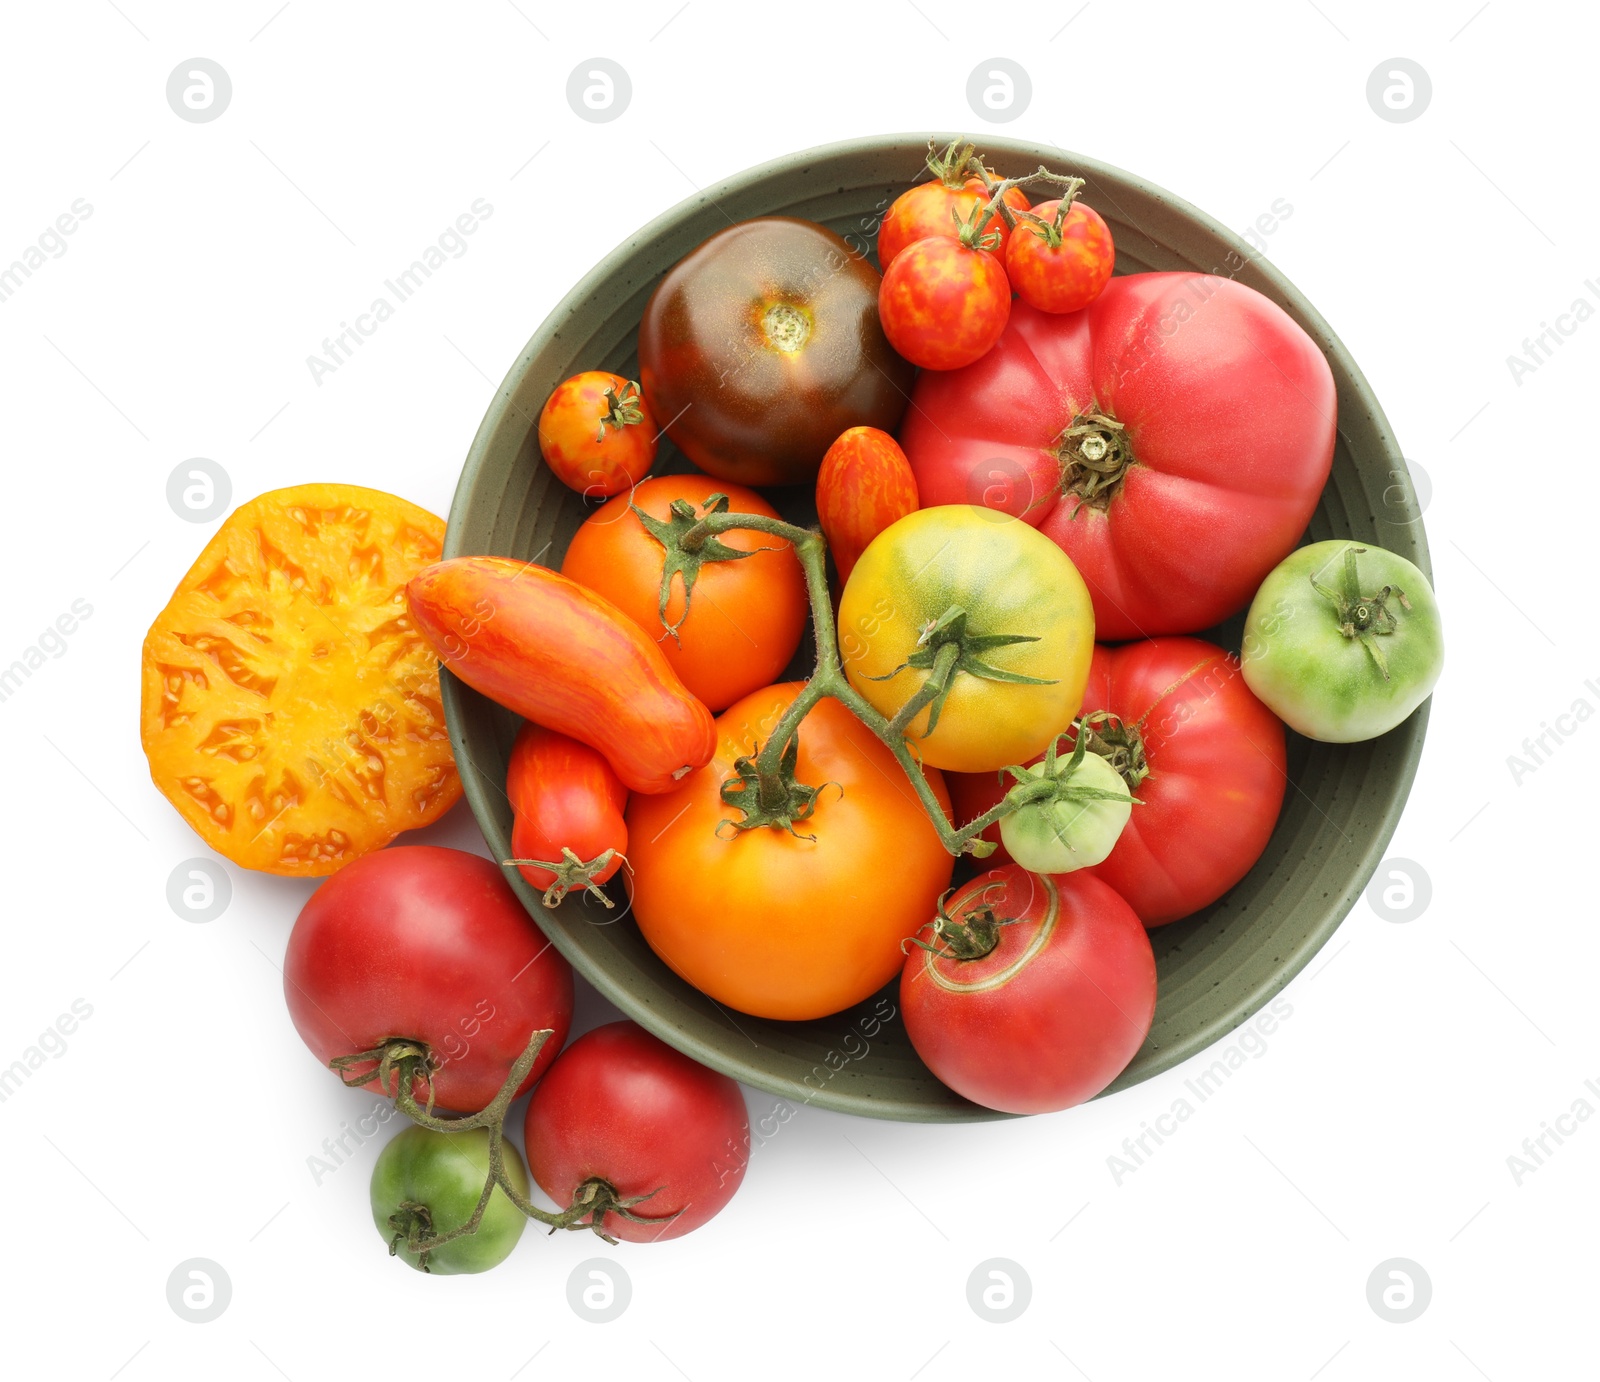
{"x": 560, "y": 655}
{"x": 865, "y": 484}
{"x": 745, "y": 615}
{"x": 781, "y": 925}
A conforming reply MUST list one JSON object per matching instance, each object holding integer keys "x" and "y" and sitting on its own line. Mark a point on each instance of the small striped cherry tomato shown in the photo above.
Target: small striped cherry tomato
{"x": 945, "y": 302}
{"x": 1060, "y": 261}
{"x": 596, "y": 433}
{"x": 940, "y": 207}
{"x": 865, "y": 484}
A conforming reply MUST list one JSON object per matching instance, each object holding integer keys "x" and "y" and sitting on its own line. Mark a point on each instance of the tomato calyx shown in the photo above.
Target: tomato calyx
{"x": 624, "y": 408}
{"x": 971, "y": 232}
{"x": 571, "y": 873}
{"x": 1050, "y": 230}
{"x": 768, "y": 797}
{"x": 687, "y": 546}
{"x": 953, "y": 165}
{"x": 413, "y": 1226}
{"x": 1119, "y": 743}
{"x": 596, "y": 1197}
{"x": 1096, "y": 454}
{"x": 409, "y": 1059}
{"x": 1367, "y": 617}
{"x": 945, "y": 647}
{"x": 972, "y": 937}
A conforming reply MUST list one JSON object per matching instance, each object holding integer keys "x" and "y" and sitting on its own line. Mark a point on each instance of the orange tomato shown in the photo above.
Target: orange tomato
{"x": 865, "y": 484}
{"x": 290, "y": 707}
{"x": 781, "y": 925}
{"x": 745, "y": 615}
{"x": 944, "y": 303}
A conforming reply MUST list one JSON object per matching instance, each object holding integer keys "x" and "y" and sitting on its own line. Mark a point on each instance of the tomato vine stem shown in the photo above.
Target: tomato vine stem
{"x": 828, "y": 680}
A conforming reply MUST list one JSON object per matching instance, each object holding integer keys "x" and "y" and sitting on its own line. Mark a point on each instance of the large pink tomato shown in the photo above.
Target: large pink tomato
{"x": 1173, "y": 437}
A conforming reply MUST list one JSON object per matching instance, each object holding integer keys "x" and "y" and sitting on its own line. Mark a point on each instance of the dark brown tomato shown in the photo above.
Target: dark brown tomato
{"x": 761, "y": 346}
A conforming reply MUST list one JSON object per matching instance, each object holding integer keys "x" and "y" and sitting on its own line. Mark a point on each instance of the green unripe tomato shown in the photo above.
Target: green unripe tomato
{"x": 1343, "y": 641}
{"x": 433, "y": 1179}
{"x": 1073, "y": 831}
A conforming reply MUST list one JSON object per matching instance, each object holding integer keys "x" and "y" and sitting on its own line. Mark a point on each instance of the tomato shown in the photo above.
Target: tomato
{"x": 1062, "y": 265}
{"x": 1056, "y": 999}
{"x": 566, "y": 805}
{"x": 597, "y": 434}
{"x": 780, "y": 924}
{"x": 623, "y": 1107}
{"x": 1344, "y": 641}
{"x": 1173, "y": 438}
{"x": 762, "y": 345}
{"x": 1021, "y": 637}
{"x": 1205, "y": 758}
{"x": 938, "y": 208}
{"x": 427, "y": 1183}
{"x": 1075, "y": 829}
{"x": 562, "y": 656}
{"x": 290, "y": 709}
{"x": 865, "y": 484}
{"x": 741, "y": 621}
{"x": 429, "y": 946}
{"x": 944, "y": 302}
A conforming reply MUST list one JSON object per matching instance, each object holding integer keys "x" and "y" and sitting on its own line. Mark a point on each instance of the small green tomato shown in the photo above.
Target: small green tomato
{"x": 1076, "y": 825}
{"x": 1343, "y": 641}
{"x": 427, "y": 1183}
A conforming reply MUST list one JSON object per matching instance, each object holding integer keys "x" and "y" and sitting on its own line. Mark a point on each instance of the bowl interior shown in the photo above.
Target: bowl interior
{"x": 1216, "y": 969}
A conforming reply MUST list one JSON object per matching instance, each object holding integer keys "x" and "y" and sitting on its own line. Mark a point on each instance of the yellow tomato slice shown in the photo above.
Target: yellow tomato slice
{"x": 290, "y": 711}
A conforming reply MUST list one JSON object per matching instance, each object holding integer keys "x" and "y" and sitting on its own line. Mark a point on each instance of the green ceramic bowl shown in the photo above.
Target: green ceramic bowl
{"x": 1217, "y": 968}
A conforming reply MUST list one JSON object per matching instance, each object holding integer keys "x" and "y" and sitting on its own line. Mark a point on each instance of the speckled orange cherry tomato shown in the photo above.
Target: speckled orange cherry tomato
{"x": 937, "y": 208}
{"x": 944, "y": 303}
{"x": 1062, "y": 265}
{"x": 597, "y": 434}
{"x": 865, "y": 484}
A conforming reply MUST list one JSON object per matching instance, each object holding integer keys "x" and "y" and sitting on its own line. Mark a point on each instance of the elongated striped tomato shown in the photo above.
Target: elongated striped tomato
{"x": 1037, "y": 992}
{"x": 865, "y": 484}
{"x": 569, "y": 659}
{"x": 564, "y": 797}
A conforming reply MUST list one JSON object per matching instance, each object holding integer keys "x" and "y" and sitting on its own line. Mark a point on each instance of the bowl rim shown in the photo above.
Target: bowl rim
{"x": 499, "y": 414}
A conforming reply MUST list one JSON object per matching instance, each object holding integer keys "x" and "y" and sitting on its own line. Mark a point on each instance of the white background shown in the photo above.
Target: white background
{"x": 1379, "y": 1119}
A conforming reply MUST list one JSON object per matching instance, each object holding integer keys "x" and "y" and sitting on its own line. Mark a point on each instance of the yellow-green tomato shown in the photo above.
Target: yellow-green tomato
{"x": 1343, "y": 641}
{"x": 1058, "y": 835}
{"x": 426, "y": 1181}
{"x": 990, "y": 604}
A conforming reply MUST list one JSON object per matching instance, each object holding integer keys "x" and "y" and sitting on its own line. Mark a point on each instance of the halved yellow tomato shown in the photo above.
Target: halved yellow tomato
{"x": 290, "y": 710}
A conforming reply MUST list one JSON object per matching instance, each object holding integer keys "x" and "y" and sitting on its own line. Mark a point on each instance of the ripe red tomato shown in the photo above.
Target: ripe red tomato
{"x": 1173, "y": 438}
{"x": 788, "y": 925}
{"x": 865, "y": 485}
{"x": 623, "y": 1107}
{"x": 596, "y": 432}
{"x": 1052, "y": 1005}
{"x": 1216, "y": 764}
{"x": 936, "y": 208}
{"x": 565, "y": 800}
{"x": 1062, "y": 265}
{"x": 745, "y": 614}
{"x": 428, "y": 945}
{"x": 1194, "y": 745}
{"x": 944, "y": 303}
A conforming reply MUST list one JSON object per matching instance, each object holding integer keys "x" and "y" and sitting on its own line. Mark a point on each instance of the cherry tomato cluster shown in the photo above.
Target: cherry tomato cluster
{"x": 954, "y": 250}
